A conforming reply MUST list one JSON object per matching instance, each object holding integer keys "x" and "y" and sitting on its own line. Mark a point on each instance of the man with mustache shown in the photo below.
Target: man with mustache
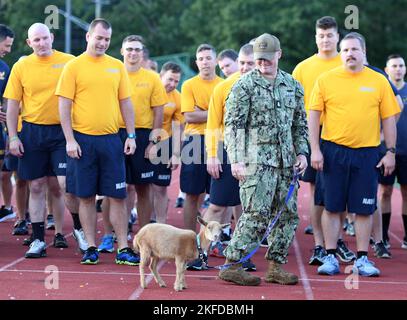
{"x": 353, "y": 99}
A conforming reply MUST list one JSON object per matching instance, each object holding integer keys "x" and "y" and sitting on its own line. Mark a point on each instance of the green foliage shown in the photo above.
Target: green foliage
{"x": 181, "y": 25}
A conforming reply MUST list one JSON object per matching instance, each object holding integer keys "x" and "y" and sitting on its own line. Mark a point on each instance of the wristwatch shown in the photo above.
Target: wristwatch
{"x": 156, "y": 139}
{"x": 392, "y": 150}
{"x": 131, "y": 136}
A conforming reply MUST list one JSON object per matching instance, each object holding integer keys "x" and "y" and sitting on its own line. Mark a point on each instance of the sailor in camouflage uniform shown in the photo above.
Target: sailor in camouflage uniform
{"x": 265, "y": 137}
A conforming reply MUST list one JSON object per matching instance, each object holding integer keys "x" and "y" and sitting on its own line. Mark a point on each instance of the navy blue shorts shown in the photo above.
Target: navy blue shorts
{"x": 350, "y": 178}
{"x": 319, "y": 189}
{"x": 10, "y": 163}
{"x": 139, "y": 170}
{"x": 310, "y": 174}
{"x": 194, "y": 179}
{"x": 400, "y": 172}
{"x": 225, "y": 190}
{"x": 2, "y": 141}
{"x": 100, "y": 170}
{"x": 162, "y": 174}
{"x": 44, "y": 151}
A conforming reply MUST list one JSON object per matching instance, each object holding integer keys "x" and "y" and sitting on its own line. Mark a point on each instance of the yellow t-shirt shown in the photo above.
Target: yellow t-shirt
{"x": 95, "y": 85}
{"x": 216, "y": 114}
{"x": 33, "y": 81}
{"x": 353, "y": 105}
{"x": 307, "y": 72}
{"x": 172, "y": 111}
{"x": 197, "y": 92}
{"x": 148, "y": 92}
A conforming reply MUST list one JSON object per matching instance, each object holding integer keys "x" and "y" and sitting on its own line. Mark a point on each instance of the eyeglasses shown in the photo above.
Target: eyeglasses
{"x": 134, "y": 49}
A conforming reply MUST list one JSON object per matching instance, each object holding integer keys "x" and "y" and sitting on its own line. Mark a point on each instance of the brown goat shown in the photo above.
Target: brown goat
{"x": 157, "y": 241}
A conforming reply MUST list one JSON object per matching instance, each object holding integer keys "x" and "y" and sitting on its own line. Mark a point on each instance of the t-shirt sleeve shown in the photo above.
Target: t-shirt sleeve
{"x": 14, "y": 87}
{"x": 388, "y": 104}
{"x": 124, "y": 86}
{"x": 66, "y": 86}
{"x": 159, "y": 96}
{"x": 187, "y": 98}
{"x": 316, "y": 101}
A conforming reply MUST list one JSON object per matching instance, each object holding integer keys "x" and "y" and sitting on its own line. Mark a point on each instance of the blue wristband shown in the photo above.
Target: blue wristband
{"x": 131, "y": 136}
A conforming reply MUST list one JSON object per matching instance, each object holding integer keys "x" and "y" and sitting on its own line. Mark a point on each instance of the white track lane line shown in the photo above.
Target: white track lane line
{"x": 200, "y": 276}
{"x": 137, "y": 293}
{"x": 4, "y": 268}
{"x": 304, "y": 277}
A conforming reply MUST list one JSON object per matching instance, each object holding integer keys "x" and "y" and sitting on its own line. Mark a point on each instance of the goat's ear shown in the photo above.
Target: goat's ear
{"x": 202, "y": 221}
{"x": 225, "y": 225}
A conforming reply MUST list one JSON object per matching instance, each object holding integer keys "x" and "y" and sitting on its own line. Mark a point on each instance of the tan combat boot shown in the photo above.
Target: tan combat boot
{"x": 236, "y": 274}
{"x": 277, "y": 275}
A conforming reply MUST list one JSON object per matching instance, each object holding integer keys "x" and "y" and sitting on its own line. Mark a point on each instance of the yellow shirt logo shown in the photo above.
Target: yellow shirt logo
{"x": 170, "y": 105}
{"x": 113, "y": 70}
{"x": 367, "y": 89}
{"x": 58, "y": 66}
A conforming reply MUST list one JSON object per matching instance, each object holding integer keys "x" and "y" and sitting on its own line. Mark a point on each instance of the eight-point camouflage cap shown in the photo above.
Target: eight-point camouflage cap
{"x": 266, "y": 46}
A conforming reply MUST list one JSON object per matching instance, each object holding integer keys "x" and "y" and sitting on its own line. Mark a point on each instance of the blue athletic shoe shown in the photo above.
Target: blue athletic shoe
{"x": 128, "y": 257}
{"x": 91, "y": 256}
{"x": 330, "y": 266}
{"x": 364, "y": 267}
{"x": 107, "y": 244}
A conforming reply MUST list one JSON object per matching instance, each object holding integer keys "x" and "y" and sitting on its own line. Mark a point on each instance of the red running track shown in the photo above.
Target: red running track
{"x": 23, "y": 279}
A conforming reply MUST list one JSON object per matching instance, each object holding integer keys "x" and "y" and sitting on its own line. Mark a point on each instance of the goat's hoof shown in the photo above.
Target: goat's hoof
{"x": 162, "y": 284}
{"x": 178, "y": 288}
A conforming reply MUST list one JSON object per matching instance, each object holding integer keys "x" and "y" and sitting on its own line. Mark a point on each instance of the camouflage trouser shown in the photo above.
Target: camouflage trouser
{"x": 263, "y": 195}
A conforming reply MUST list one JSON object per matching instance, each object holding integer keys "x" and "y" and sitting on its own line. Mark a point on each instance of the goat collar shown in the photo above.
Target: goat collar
{"x": 200, "y": 251}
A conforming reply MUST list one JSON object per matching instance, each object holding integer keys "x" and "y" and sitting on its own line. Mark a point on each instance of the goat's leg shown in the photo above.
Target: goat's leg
{"x": 144, "y": 257}
{"x": 154, "y": 271}
{"x": 180, "y": 277}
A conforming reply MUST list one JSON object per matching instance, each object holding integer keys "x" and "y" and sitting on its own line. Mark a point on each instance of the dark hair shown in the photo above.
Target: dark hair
{"x": 174, "y": 67}
{"x": 105, "y": 24}
{"x": 5, "y": 32}
{"x": 228, "y": 53}
{"x": 246, "y": 49}
{"x": 358, "y": 36}
{"x": 326, "y": 22}
{"x": 204, "y": 47}
{"x": 393, "y": 56}
{"x": 133, "y": 37}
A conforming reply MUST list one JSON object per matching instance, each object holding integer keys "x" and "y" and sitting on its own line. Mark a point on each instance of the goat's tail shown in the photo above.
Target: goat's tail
{"x": 136, "y": 244}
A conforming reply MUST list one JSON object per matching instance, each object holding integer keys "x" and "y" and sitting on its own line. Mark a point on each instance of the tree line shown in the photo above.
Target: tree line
{"x": 181, "y": 25}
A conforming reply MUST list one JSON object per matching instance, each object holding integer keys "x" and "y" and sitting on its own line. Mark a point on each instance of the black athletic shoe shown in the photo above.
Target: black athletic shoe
{"x": 60, "y": 241}
{"x": 318, "y": 255}
{"x": 20, "y": 228}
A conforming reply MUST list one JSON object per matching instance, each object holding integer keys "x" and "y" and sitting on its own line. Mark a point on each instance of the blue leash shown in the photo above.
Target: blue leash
{"x": 293, "y": 183}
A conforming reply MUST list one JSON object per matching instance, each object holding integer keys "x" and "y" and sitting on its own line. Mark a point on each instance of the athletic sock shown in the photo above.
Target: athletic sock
{"x": 385, "y": 225}
{"x": 38, "y": 230}
{"x": 361, "y": 254}
{"x": 76, "y": 221}
{"x": 331, "y": 251}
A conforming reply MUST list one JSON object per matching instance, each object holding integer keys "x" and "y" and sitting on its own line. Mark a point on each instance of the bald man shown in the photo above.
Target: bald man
{"x": 40, "y": 146}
